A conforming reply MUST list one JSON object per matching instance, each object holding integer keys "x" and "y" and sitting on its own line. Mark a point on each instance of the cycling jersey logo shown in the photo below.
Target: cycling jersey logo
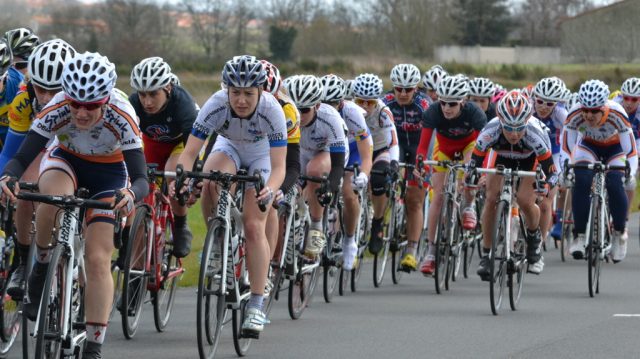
{"x": 159, "y": 133}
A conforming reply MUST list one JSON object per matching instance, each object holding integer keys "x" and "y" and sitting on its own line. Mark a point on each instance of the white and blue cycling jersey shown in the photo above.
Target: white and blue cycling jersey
{"x": 634, "y": 120}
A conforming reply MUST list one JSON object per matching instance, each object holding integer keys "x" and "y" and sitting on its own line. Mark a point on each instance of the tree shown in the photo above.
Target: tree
{"x": 210, "y": 21}
{"x": 281, "y": 41}
{"x": 483, "y": 22}
{"x": 540, "y": 19}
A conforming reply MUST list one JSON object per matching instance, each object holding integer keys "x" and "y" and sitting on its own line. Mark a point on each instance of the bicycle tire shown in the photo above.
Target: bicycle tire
{"x": 27, "y": 340}
{"x": 516, "y": 275}
{"x": 48, "y": 343}
{"x": 276, "y": 281}
{"x": 363, "y": 241}
{"x": 10, "y": 318}
{"x": 164, "y": 298}
{"x": 241, "y": 343}
{"x": 456, "y": 253}
{"x": 211, "y": 304}
{"x": 134, "y": 294}
{"x": 442, "y": 245}
{"x": 497, "y": 267}
{"x": 331, "y": 272}
{"x": 593, "y": 248}
{"x": 567, "y": 225}
{"x": 301, "y": 291}
{"x": 468, "y": 248}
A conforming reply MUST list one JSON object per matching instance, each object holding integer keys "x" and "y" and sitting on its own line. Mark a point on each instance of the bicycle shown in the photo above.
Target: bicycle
{"x": 508, "y": 249}
{"x": 223, "y": 281}
{"x": 149, "y": 264}
{"x": 362, "y": 232}
{"x": 598, "y": 230}
{"x": 60, "y": 329}
{"x": 449, "y": 240}
{"x": 472, "y": 238}
{"x": 567, "y": 214}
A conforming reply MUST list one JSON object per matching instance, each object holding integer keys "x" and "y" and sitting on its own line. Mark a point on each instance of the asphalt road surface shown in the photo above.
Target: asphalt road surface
{"x": 556, "y": 319}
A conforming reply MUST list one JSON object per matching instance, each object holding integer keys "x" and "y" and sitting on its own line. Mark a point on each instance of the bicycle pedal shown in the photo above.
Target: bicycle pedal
{"x": 249, "y": 334}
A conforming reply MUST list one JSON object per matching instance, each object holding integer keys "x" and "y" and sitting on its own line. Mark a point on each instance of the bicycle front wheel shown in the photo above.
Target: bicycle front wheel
{"x": 498, "y": 258}
{"x": 50, "y": 314}
{"x": 364, "y": 233}
{"x": 10, "y": 319}
{"x": 164, "y": 297}
{"x": 517, "y": 269}
{"x": 442, "y": 244}
{"x": 593, "y": 248}
{"x": 134, "y": 279}
{"x": 211, "y": 303}
{"x": 567, "y": 225}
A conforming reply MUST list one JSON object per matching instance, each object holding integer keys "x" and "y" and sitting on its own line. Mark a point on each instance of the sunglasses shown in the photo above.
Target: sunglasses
{"x": 305, "y": 110}
{"x": 364, "y": 102}
{"x": 450, "y": 104}
{"x": 591, "y": 110}
{"x": 514, "y": 129}
{"x": 404, "y": 89}
{"x": 546, "y": 103}
{"x": 89, "y": 106}
{"x": 21, "y": 65}
{"x": 630, "y": 98}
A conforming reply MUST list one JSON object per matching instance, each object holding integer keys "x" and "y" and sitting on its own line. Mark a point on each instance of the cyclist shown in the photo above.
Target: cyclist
{"x": 166, "y": 112}
{"x": 367, "y": 89}
{"x": 430, "y": 82}
{"x": 10, "y": 80}
{"x": 628, "y": 98}
{"x": 323, "y": 148}
{"x": 598, "y": 130}
{"x": 251, "y": 133}
{"x": 517, "y": 142}
{"x": 498, "y": 94}
{"x": 292, "y": 116}
{"x": 360, "y": 145}
{"x": 44, "y": 81}
{"x": 408, "y": 106}
{"x": 22, "y": 42}
{"x": 548, "y": 95}
{"x": 456, "y": 123}
{"x": 481, "y": 90}
{"x": 89, "y": 153}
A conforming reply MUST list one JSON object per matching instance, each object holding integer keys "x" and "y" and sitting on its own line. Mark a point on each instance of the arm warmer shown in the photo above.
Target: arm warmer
{"x": 425, "y": 139}
{"x": 337, "y": 170}
{"x": 29, "y": 149}
{"x": 11, "y": 144}
{"x": 137, "y": 169}
{"x": 293, "y": 167}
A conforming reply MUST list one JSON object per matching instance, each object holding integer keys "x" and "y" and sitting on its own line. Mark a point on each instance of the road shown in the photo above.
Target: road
{"x": 556, "y": 318}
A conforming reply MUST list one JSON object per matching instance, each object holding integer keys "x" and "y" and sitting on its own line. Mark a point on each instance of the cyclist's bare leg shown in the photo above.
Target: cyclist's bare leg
{"x": 318, "y": 166}
{"x": 56, "y": 182}
{"x": 352, "y": 206}
{"x": 414, "y": 202}
{"x": 273, "y": 230}
{"x": 24, "y": 209}
{"x": 492, "y": 192}
{"x": 258, "y": 255}
{"x": 546, "y": 212}
{"x": 99, "y": 286}
{"x": 526, "y": 198}
{"x": 217, "y": 161}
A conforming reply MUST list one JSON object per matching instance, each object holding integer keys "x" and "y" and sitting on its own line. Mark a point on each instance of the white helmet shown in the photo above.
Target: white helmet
{"x": 244, "y": 71}
{"x": 175, "y": 80}
{"x": 367, "y": 86}
{"x": 305, "y": 91}
{"x": 551, "y": 88}
{"x": 333, "y": 88}
{"x": 5, "y": 57}
{"x": 432, "y": 76}
{"x": 453, "y": 87}
{"x": 572, "y": 100}
{"x": 88, "y": 77}
{"x": 150, "y": 74}
{"x": 22, "y": 41}
{"x": 514, "y": 109}
{"x": 593, "y": 93}
{"x": 631, "y": 87}
{"x": 405, "y": 75}
{"x": 348, "y": 87}
{"x": 481, "y": 87}
{"x": 47, "y": 62}
{"x": 273, "y": 82}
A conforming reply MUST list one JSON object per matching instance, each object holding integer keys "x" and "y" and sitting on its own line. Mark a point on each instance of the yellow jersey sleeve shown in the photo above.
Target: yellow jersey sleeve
{"x": 293, "y": 123}
{"x": 615, "y": 94}
{"x": 20, "y": 112}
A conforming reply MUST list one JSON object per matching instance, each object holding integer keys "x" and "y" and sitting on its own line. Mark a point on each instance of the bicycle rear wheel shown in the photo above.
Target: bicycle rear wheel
{"x": 331, "y": 272}
{"x": 134, "y": 279}
{"x": 468, "y": 247}
{"x": 50, "y": 314}
{"x": 241, "y": 343}
{"x": 517, "y": 270}
{"x": 396, "y": 256}
{"x": 164, "y": 298}
{"x": 301, "y": 289}
{"x": 567, "y": 225}
{"x": 456, "y": 254}
{"x": 442, "y": 244}
{"x": 211, "y": 303}
{"x": 10, "y": 318}
{"x": 497, "y": 267}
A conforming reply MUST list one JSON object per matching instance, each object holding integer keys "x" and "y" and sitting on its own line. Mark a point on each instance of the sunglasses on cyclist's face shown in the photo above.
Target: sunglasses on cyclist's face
{"x": 89, "y": 106}
{"x": 591, "y": 110}
{"x": 20, "y": 65}
{"x": 404, "y": 89}
{"x": 630, "y": 98}
{"x": 365, "y": 102}
{"x": 514, "y": 129}
{"x": 305, "y": 110}
{"x": 546, "y": 103}
{"x": 450, "y": 103}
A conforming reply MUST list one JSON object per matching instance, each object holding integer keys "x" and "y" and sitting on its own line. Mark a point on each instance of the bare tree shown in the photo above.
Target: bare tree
{"x": 210, "y": 21}
{"x": 540, "y": 19}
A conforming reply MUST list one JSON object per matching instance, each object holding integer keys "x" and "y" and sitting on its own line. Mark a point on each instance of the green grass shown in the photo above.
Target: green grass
{"x": 192, "y": 262}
